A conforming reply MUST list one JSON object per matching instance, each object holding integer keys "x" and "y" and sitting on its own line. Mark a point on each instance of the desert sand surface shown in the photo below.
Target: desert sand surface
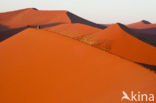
{"x": 31, "y": 17}
{"x": 141, "y": 25}
{"x": 75, "y": 30}
{"x": 121, "y": 41}
{"x": 38, "y": 66}
{"x": 42, "y": 18}
{"x": 145, "y": 29}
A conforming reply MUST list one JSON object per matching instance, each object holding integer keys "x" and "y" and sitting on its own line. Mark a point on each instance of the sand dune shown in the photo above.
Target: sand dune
{"x": 75, "y": 30}
{"x": 31, "y": 17}
{"x": 141, "y": 25}
{"x": 34, "y": 17}
{"x": 44, "y": 67}
{"x": 145, "y": 29}
{"x": 121, "y": 41}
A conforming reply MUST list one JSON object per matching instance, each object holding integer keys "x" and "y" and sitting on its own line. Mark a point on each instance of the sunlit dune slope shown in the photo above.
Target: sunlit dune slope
{"x": 121, "y": 41}
{"x": 75, "y": 30}
{"x": 33, "y": 17}
{"x": 43, "y": 67}
{"x": 42, "y": 18}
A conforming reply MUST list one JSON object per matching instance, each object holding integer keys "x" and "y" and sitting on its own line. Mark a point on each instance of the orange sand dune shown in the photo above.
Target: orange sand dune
{"x": 145, "y": 29}
{"x": 118, "y": 40}
{"x": 43, "y": 67}
{"x": 142, "y": 25}
{"x": 34, "y": 17}
{"x": 75, "y": 30}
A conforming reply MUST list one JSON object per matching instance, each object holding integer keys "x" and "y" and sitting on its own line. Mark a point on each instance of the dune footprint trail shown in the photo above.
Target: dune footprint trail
{"x": 121, "y": 41}
{"x": 75, "y": 30}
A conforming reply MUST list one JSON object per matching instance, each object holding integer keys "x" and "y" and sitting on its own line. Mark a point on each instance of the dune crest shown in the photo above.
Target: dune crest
{"x": 43, "y": 67}
{"x": 145, "y": 29}
{"x": 141, "y": 25}
{"x": 75, "y": 30}
{"x": 32, "y": 16}
{"x": 121, "y": 41}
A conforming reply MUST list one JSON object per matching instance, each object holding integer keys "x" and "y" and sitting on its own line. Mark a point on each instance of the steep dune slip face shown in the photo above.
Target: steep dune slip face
{"x": 44, "y": 67}
{"x": 33, "y": 17}
{"x": 149, "y": 34}
{"x": 145, "y": 29}
{"x": 121, "y": 41}
{"x": 76, "y": 19}
{"x": 75, "y": 30}
{"x": 15, "y": 21}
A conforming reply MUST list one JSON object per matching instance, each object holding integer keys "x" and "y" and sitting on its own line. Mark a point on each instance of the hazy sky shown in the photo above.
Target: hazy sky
{"x": 100, "y": 11}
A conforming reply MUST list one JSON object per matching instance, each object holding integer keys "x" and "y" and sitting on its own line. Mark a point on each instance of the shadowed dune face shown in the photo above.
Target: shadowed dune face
{"x": 76, "y": 30}
{"x": 116, "y": 40}
{"x": 3, "y": 28}
{"x": 33, "y": 17}
{"x": 6, "y": 34}
{"x": 149, "y": 33}
{"x": 151, "y": 67}
{"x": 13, "y": 22}
{"x": 145, "y": 29}
{"x": 48, "y": 68}
{"x": 77, "y": 19}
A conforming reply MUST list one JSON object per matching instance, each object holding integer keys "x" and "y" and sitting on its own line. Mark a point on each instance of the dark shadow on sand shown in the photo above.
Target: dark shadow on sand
{"x": 138, "y": 36}
{"x": 77, "y": 19}
{"x": 151, "y": 67}
{"x": 149, "y": 34}
{"x": 6, "y": 32}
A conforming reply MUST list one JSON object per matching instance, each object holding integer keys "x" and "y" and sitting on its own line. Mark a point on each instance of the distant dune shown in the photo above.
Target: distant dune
{"x": 123, "y": 42}
{"x": 31, "y": 17}
{"x": 141, "y": 25}
{"x": 34, "y": 17}
{"x": 145, "y": 29}
{"x": 43, "y": 67}
{"x": 75, "y": 30}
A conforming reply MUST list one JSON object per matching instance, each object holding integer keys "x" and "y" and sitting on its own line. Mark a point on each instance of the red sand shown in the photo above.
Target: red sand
{"x": 75, "y": 30}
{"x": 118, "y": 41}
{"x": 141, "y": 25}
{"x": 145, "y": 29}
{"x": 43, "y": 67}
{"x": 32, "y": 17}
